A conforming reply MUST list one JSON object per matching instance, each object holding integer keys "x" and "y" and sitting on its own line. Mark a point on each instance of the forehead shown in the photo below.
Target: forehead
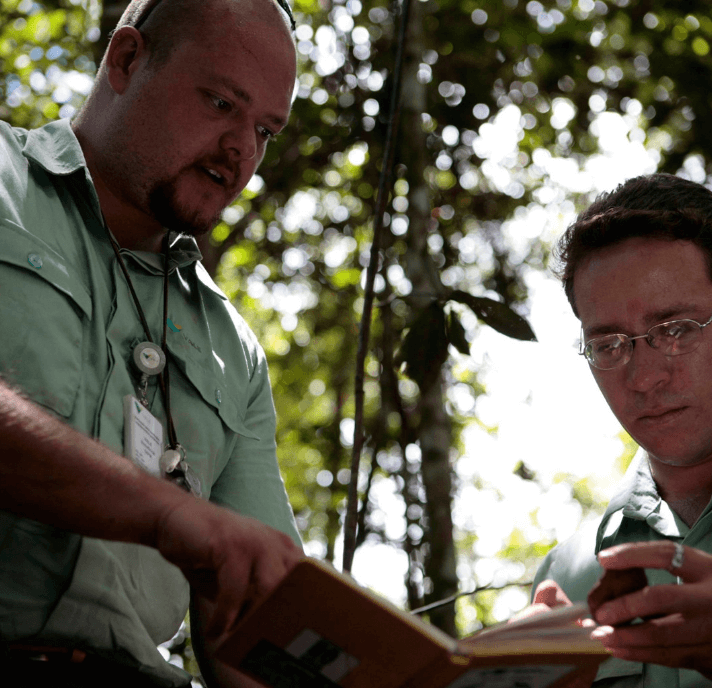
{"x": 252, "y": 49}
{"x": 636, "y": 283}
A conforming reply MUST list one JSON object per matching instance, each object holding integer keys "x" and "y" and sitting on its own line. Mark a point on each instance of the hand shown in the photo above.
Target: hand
{"x": 548, "y": 596}
{"x": 678, "y": 627}
{"x": 230, "y": 561}
{"x": 615, "y": 583}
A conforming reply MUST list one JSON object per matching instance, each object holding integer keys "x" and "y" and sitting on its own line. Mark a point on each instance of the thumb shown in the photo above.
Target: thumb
{"x": 549, "y": 592}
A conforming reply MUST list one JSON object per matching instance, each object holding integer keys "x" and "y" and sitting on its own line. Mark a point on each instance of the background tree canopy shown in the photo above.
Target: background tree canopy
{"x": 505, "y": 106}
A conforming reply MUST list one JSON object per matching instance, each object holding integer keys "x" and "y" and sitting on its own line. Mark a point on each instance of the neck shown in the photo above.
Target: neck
{"x": 132, "y": 228}
{"x": 686, "y": 489}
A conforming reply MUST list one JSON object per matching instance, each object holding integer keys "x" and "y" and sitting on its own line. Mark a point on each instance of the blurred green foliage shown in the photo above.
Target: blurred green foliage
{"x": 45, "y": 59}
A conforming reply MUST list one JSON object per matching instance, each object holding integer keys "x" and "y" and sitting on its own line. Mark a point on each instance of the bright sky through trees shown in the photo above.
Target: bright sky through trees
{"x": 541, "y": 396}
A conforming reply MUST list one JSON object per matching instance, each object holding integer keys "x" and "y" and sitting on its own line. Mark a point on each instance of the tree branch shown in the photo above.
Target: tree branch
{"x": 365, "y": 329}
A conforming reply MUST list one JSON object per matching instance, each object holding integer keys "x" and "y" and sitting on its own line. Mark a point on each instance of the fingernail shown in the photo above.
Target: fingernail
{"x": 602, "y": 632}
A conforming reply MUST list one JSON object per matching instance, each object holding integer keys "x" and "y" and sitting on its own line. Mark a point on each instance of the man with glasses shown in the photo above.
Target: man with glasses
{"x": 637, "y": 270}
{"x": 137, "y": 426}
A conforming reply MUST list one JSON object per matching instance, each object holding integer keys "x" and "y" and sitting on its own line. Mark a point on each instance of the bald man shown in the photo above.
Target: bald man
{"x": 137, "y": 453}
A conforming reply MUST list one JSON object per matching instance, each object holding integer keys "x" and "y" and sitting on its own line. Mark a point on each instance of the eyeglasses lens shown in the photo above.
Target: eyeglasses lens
{"x": 674, "y": 338}
{"x": 608, "y": 352}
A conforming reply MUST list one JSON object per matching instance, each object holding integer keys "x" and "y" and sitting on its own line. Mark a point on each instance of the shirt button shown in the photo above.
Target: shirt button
{"x": 35, "y": 260}
{"x": 218, "y": 396}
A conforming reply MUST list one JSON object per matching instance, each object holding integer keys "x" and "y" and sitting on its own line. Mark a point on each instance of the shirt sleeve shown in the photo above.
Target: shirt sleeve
{"x": 251, "y": 483}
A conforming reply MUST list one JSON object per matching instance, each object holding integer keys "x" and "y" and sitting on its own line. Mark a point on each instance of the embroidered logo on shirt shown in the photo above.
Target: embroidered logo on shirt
{"x": 177, "y": 328}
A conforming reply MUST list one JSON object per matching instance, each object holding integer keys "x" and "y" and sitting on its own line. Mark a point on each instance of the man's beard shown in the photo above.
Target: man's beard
{"x": 174, "y": 215}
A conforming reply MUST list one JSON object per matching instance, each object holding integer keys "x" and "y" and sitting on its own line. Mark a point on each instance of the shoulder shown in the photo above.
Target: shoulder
{"x": 13, "y": 164}
{"x": 572, "y": 563}
{"x": 12, "y": 139}
{"x": 30, "y": 162}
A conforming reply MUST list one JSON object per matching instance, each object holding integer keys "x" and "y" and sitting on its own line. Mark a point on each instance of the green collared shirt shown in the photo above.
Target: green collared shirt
{"x": 636, "y": 514}
{"x": 68, "y": 327}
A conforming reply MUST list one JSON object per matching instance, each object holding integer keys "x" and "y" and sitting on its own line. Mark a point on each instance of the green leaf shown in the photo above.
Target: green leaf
{"x": 524, "y": 472}
{"x": 456, "y": 334}
{"x": 424, "y": 347}
{"x": 497, "y": 315}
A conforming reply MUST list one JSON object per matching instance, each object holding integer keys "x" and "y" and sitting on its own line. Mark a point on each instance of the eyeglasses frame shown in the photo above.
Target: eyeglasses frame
{"x": 583, "y": 346}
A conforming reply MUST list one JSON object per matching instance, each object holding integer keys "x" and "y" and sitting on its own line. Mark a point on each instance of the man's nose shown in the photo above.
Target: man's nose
{"x": 647, "y": 367}
{"x": 241, "y": 140}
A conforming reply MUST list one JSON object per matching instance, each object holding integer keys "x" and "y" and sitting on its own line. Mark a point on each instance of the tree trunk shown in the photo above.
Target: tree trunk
{"x": 434, "y": 429}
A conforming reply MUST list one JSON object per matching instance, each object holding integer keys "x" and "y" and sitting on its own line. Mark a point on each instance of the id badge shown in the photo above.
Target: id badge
{"x": 143, "y": 436}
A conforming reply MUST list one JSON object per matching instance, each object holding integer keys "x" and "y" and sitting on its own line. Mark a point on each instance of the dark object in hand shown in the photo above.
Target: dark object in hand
{"x": 615, "y": 583}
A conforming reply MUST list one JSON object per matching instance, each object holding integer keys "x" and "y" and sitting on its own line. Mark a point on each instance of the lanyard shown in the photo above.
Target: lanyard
{"x": 151, "y": 360}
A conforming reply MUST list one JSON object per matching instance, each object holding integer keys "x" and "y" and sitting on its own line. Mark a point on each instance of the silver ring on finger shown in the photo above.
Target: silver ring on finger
{"x": 678, "y": 558}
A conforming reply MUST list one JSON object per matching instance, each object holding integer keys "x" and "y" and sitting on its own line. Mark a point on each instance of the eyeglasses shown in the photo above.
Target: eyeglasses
{"x": 150, "y": 6}
{"x": 672, "y": 338}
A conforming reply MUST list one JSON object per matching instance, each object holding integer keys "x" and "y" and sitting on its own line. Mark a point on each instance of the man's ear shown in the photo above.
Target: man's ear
{"x": 123, "y": 57}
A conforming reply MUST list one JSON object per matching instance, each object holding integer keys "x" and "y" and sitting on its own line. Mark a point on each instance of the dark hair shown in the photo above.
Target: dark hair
{"x": 658, "y": 206}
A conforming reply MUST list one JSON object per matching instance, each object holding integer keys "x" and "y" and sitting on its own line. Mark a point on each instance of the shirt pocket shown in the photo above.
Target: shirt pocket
{"x": 43, "y": 312}
{"x": 209, "y": 413}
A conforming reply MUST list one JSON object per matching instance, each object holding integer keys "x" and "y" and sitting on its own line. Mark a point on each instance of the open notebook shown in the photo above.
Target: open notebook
{"x": 320, "y": 629}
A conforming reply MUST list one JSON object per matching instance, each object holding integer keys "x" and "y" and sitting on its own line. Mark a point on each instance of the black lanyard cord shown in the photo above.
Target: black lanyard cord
{"x": 129, "y": 283}
{"x": 163, "y": 379}
{"x": 166, "y": 388}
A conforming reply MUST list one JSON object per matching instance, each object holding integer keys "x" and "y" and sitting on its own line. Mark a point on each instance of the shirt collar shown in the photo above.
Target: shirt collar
{"x": 638, "y": 499}
{"x": 635, "y": 488}
{"x": 55, "y": 148}
{"x": 184, "y": 252}
{"x": 640, "y": 494}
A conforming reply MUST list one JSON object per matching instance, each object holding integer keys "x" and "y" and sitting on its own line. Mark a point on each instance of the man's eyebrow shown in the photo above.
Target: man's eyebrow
{"x": 238, "y": 92}
{"x": 601, "y": 330}
{"x": 673, "y": 312}
{"x": 244, "y": 96}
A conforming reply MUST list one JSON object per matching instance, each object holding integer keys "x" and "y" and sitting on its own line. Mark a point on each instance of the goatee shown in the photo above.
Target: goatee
{"x": 174, "y": 215}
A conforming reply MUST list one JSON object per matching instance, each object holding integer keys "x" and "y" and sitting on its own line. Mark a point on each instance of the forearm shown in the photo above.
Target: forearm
{"x": 51, "y": 473}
